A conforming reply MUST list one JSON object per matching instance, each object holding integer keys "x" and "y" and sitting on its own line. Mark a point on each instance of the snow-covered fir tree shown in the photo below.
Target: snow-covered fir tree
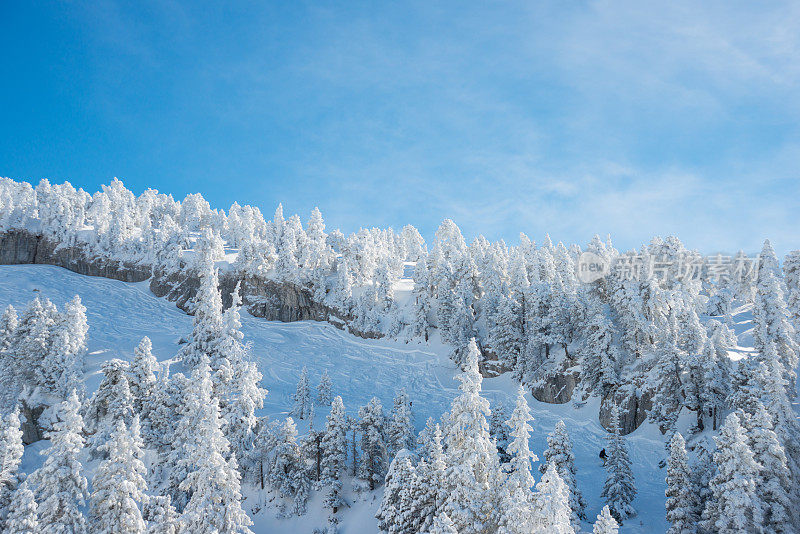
{"x": 517, "y": 508}
{"x": 774, "y": 483}
{"x": 682, "y": 505}
{"x": 551, "y": 511}
{"x": 442, "y": 524}
{"x": 605, "y": 524}
{"x": 161, "y": 516}
{"x": 400, "y": 428}
{"x": 142, "y": 383}
{"x": 472, "y": 463}
{"x": 11, "y": 450}
{"x": 334, "y": 448}
{"x": 61, "y": 488}
{"x": 559, "y": 455}
{"x": 118, "y": 485}
{"x": 324, "y": 389}
{"x": 111, "y": 402}
{"x": 287, "y": 475}
{"x": 619, "y": 489}
{"x": 498, "y": 429}
{"x": 23, "y": 513}
{"x": 302, "y": 396}
{"x": 373, "y": 463}
{"x": 735, "y": 505}
{"x": 212, "y": 478}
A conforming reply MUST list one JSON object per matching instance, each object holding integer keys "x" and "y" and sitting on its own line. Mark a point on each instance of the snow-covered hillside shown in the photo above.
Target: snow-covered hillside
{"x": 120, "y": 313}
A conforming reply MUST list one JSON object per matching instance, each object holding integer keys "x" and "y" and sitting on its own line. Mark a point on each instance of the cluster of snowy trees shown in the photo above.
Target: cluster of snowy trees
{"x": 524, "y": 303}
{"x": 41, "y": 351}
{"x": 454, "y": 479}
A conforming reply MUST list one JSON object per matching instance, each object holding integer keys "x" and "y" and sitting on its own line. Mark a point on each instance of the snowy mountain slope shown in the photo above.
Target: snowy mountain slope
{"x": 119, "y": 314}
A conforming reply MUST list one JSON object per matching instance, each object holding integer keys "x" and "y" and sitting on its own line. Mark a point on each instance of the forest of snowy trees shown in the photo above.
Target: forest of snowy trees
{"x": 175, "y": 449}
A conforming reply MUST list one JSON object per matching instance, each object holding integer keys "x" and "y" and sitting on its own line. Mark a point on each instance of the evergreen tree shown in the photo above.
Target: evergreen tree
{"x": 771, "y": 322}
{"x": 60, "y": 485}
{"x": 619, "y": 489}
{"x": 400, "y": 431}
{"x": 11, "y": 451}
{"x": 682, "y": 509}
{"x": 111, "y": 402}
{"x": 212, "y": 481}
{"x": 599, "y": 354}
{"x": 119, "y": 485}
{"x": 160, "y": 515}
{"x": 288, "y": 476}
{"x": 605, "y": 524}
{"x": 208, "y": 329}
{"x": 9, "y": 322}
{"x": 372, "y": 467}
{"x": 22, "y": 516}
{"x": 324, "y": 389}
{"x": 735, "y": 505}
{"x": 774, "y": 484}
{"x": 334, "y": 447}
{"x": 559, "y": 455}
{"x": 142, "y": 383}
{"x": 472, "y": 464}
{"x": 302, "y": 397}
{"x": 395, "y": 514}
{"x": 551, "y": 512}
{"x": 516, "y": 515}
{"x": 442, "y": 524}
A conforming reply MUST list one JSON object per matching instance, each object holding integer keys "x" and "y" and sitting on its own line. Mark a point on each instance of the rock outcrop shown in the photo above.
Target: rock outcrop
{"x": 633, "y": 408}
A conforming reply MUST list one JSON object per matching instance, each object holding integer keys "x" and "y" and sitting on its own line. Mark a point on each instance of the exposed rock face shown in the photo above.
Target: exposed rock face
{"x": 556, "y": 387}
{"x": 21, "y": 247}
{"x": 29, "y": 423}
{"x": 633, "y": 408}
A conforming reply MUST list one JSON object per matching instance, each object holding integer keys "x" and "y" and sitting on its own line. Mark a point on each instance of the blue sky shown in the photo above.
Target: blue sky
{"x": 565, "y": 117}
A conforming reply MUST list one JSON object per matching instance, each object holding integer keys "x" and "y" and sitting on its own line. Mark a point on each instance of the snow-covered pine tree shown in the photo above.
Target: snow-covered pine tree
{"x": 420, "y": 325}
{"x": 735, "y": 505}
{"x": 682, "y": 505}
{"x": 599, "y": 354}
{"x": 160, "y": 515}
{"x": 771, "y": 321}
{"x": 373, "y": 464}
{"x": 208, "y": 329}
{"x": 334, "y": 447}
{"x": 287, "y": 475}
{"x": 516, "y": 513}
{"x": 774, "y": 484}
{"x": 22, "y": 517}
{"x": 245, "y": 396}
{"x": 619, "y": 489}
{"x": 427, "y": 491}
{"x": 471, "y": 480}
{"x": 8, "y": 325}
{"x": 605, "y": 524}
{"x": 142, "y": 374}
{"x": 400, "y": 430}
{"x": 559, "y": 454}
{"x": 60, "y": 485}
{"x": 11, "y": 450}
{"x": 668, "y": 397}
{"x": 791, "y": 276}
{"x": 111, "y": 402}
{"x": 212, "y": 481}
{"x": 302, "y": 396}
{"x": 442, "y": 524}
{"x": 395, "y": 514}
{"x": 118, "y": 485}
{"x": 324, "y": 389}
{"x": 551, "y": 510}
